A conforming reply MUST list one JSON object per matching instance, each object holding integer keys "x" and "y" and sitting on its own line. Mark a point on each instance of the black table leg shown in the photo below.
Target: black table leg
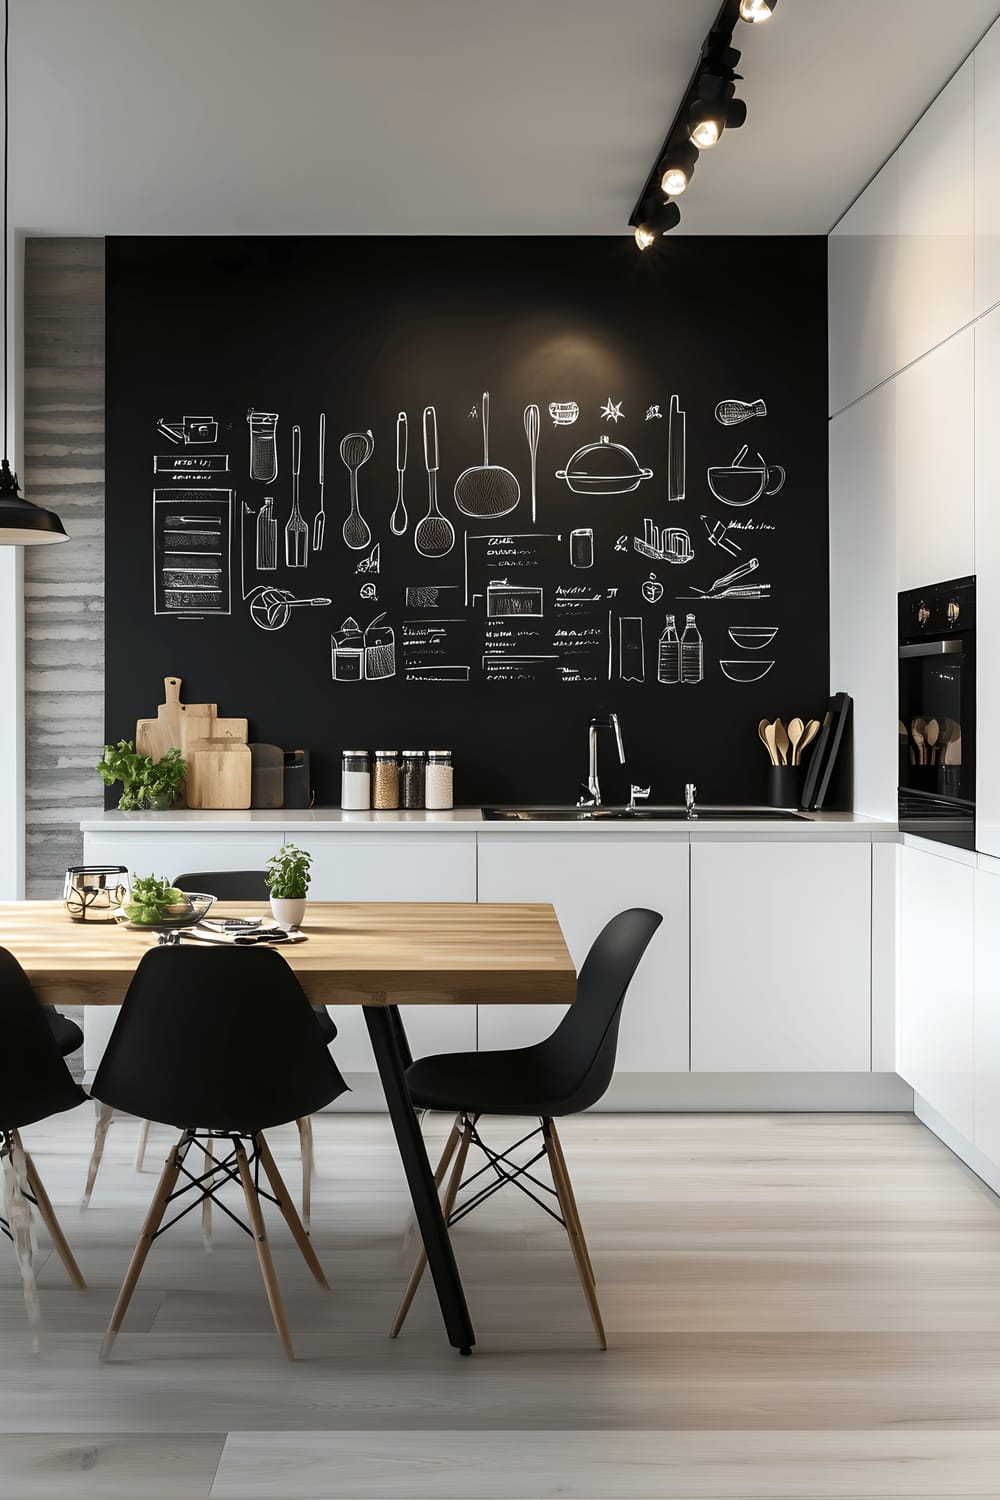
{"x": 385, "y": 1027}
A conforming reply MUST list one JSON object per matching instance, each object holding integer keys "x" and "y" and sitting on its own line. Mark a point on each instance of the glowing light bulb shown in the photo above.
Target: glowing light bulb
{"x": 757, "y": 10}
{"x": 644, "y": 237}
{"x": 674, "y": 181}
{"x": 706, "y": 134}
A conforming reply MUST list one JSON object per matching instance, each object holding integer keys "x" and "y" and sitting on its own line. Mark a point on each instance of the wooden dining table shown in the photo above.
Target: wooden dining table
{"x": 379, "y": 955}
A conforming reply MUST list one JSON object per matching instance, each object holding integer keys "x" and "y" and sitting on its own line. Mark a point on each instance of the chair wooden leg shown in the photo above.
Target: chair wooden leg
{"x": 17, "y": 1211}
{"x": 571, "y": 1197}
{"x": 462, "y": 1138}
{"x": 140, "y": 1145}
{"x": 101, "y": 1127}
{"x": 154, "y": 1218}
{"x": 577, "y": 1243}
{"x": 287, "y": 1209}
{"x": 308, "y": 1166}
{"x": 263, "y": 1250}
{"x": 206, "y": 1202}
{"x": 48, "y": 1215}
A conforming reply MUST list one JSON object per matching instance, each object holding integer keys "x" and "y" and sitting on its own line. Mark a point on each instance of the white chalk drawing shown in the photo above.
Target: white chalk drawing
{"x": 532, "y": 425}
{"x": 426, "y": 596}
{"x": 263, "y": 445}
{"x": 399, "y": 519}
{"x": 267, "y": 537}
{"x": 486, "y": 490}
{"x": 355, "y": 450}
{"x": 718, "y": 535}
{"x": 504, "y": 600}
{"x": 271, "y": 609}
{"x": 441, "y": 673}
{"x": 581, "y": 547}
{"x": 189, "y": 466}
{"x": 189, "y": 430}
{"x": 653, "y": 413}
{"x": 692, "y": 652}
{"x": 369, "y": 564}
{"x": 745, "y": 671}
{"x": 368, "y": 591}
{"x": 676, "y": 451}
{"x": 192, "y": 552}
{"x": 652, "y": 589}
{"x": 670, "y": 544}
{"x": 631, "y": 649}
{"x": 603, "y": 468}
{"x": 752, "y": 637}
{"x": 563, "y": 413}
{"x": 730, "y": 413}
{"x": 319, "y": 519}
{"x": 473, "y": 411}
{"x": 734, "y": 586}
{"x": 741, "y": 483}
{"x": 363, "y": 655}
{"x": 296, "y": 531}
{"x": 611, "y": 411}
{"x": 434, "y": 536}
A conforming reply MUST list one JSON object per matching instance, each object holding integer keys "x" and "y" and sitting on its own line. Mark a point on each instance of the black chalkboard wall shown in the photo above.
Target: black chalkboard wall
{"x": 680, "y": 408}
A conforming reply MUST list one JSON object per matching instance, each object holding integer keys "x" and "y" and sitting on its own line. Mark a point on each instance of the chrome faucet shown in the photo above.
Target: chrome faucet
{"x": 593, "y": 787}
{"x": 690, "y": 798}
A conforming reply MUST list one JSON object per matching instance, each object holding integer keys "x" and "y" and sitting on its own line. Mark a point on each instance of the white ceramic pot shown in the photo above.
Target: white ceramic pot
{"x": 288, "y": 913}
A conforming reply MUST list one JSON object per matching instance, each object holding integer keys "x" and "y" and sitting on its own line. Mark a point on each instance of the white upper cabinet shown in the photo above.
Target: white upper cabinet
{"x": 861, "y": 280}
{"x": 987, "y": 338}
{"x": 935, "y": 260}
{"x": 935, "y": 466}
{"x": 986, "y": 63}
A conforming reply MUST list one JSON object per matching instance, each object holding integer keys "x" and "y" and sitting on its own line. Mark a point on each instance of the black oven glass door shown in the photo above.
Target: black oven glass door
{"x": 936, "y": 729}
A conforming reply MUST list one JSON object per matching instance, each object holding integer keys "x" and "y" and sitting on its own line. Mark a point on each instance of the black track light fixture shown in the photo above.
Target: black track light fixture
{"x": 709, "y": 108}
{"x": 21, "y": 523}
{"x": 677, "y": 168}
{"x": 660, "y": 217}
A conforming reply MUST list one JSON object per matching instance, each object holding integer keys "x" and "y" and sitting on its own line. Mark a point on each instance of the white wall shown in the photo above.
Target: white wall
{"x": 914, "y": 267}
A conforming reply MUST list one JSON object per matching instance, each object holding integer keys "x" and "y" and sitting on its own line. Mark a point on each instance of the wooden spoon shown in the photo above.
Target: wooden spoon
{"x": 781, "y": 741}
{"x": 762, "y": 728}
{"x": 917, "y": 730}
{"x": 796, "y": 729}
{"x": 809, "y": 734}
{"x": 771, "y": 742}
{"x": 931, "y": 734}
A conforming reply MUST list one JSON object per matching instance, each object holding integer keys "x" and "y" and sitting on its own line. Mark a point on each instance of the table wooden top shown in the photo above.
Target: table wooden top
{"x": 358, "y": 952}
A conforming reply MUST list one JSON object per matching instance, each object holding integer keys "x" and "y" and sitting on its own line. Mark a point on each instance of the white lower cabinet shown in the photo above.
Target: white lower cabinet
{"x": 936, "y": 1031}
{"x": 986, "y": 1025}
{"x": 780, "y": 958}
{"x": 588, "y": 880}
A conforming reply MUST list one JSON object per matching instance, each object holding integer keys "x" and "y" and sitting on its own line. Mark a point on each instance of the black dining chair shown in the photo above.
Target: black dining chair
{"x": 567, "y": 1072}
{"x": 222, "y": 1044}
{"x": 34, "y": 1084}
{"x": 224, "y": 885}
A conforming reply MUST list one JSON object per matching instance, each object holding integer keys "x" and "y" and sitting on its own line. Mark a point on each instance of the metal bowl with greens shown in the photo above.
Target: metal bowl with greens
{"x": 154, "y": 905}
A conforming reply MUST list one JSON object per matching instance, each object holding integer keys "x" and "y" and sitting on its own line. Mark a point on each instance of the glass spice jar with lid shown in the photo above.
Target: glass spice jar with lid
{"x": 385, "y": 779}
{"x": 438, "y": 787}
{"x": 355, "y": 781}
{"x": 411, "y": 779}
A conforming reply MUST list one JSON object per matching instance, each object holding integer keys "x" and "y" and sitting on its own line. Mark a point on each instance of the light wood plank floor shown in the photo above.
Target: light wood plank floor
{"x": 797, "y": 1306}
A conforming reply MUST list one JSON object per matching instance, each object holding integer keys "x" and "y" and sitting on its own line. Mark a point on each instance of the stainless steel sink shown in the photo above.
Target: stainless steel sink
{"x": 641, "y": 815}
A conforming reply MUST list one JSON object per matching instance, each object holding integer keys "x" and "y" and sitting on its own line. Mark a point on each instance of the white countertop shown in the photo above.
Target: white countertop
{"x": 833, "y": 826}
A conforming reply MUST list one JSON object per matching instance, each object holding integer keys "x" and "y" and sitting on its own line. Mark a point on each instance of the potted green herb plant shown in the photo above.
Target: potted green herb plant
{"x": 145, "y": 782}
{"x": 288, "y": 881}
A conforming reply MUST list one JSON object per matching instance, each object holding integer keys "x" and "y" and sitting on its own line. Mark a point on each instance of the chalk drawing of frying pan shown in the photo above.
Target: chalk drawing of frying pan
{"x": 271, "y": 609}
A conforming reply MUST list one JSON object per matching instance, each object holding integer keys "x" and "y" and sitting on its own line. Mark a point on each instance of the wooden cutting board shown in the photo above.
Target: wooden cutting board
{"x": 154, "y": 737}
{"x": 211, "y": 727}
{"x": 219, "y": 773}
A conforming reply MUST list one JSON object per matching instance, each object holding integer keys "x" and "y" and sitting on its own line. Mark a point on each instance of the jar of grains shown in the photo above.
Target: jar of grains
{"x": 411, "y": 779}
{"x": 438, "y": 791}
{"x": 385, "y": 779}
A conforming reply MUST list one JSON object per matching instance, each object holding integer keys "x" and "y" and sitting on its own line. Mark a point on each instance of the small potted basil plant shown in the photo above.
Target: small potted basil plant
{"x": 288, "y": 881}
{"x": 145, "y": 782}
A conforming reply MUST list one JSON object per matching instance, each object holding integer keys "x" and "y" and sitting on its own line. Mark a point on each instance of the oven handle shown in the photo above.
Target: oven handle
{"x": 933, "y": 648}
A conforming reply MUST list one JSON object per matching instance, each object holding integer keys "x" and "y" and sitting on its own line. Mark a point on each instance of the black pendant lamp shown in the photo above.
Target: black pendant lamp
{"x": 21, "y": 523}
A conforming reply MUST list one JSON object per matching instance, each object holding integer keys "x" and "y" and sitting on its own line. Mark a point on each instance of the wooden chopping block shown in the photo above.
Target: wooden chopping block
{"x": 154, "y": 737}
{"x": 211, "y": 727}
{"x": 219, "y": 774}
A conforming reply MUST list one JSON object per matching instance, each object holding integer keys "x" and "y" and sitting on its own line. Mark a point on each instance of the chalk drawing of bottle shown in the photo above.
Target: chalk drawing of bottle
{"x": 668, "y": 661}
{"x": 692, "y": 653}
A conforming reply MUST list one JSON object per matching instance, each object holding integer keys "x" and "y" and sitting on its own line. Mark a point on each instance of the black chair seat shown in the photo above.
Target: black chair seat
{"x": 519, "y": 1081}
{"x": 68, "y": 1035}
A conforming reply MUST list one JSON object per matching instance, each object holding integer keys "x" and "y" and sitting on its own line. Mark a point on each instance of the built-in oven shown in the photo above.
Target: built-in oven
{"x": 937, "y": 712}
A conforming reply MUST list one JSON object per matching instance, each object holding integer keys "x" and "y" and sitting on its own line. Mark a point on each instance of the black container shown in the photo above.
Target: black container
{"x": 298, "y": 790}
{"x": 784, "y": 785}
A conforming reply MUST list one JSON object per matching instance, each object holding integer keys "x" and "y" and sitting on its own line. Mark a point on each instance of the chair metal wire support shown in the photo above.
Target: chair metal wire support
{"x": 225, "y": 1169}
{"x": 507, "y": 1172}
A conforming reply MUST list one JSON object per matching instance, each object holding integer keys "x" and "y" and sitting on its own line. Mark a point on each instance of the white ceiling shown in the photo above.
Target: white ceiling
{"x": 450, "y": 116}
